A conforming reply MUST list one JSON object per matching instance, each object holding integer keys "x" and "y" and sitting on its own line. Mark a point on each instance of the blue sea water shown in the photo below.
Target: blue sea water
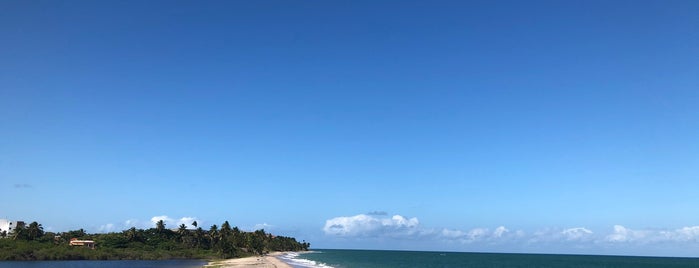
{"x": 104, "y": 264}
{"x": 389, "y": 259}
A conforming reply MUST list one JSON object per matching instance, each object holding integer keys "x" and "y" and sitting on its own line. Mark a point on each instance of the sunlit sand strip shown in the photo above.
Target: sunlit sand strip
{"x": 268, "y": 261}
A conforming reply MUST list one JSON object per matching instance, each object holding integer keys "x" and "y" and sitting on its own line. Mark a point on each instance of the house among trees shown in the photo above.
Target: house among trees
{"x": 82, "y": 243}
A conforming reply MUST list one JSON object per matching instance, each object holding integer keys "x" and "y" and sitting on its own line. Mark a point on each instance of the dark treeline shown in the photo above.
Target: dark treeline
{"x": 32, "y": 243}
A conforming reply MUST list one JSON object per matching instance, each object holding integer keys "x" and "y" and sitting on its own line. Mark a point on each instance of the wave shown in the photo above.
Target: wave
{"x": 294, "y": 259}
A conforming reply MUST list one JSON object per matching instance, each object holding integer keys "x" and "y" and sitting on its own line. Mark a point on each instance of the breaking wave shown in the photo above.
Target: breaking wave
{"x": 295, "y": 260}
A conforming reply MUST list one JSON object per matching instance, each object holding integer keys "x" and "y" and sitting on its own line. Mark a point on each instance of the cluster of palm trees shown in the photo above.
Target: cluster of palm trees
{"x": 32, "y": 231}
{"x": 226, "y": 241}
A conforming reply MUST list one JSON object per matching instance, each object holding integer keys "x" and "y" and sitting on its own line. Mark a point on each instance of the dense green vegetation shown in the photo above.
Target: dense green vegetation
{"x": 32, "y": 243}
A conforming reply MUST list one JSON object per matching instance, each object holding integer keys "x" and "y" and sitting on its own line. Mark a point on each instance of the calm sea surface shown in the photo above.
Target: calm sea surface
{"x": 103, "y": 264}
{"x": 388, "y": 259}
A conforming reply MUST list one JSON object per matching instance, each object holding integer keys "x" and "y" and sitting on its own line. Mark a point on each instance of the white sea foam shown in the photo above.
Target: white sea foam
{"x": 294, "y": 259}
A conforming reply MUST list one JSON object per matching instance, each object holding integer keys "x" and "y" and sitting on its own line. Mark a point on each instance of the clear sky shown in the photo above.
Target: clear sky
{"x": 505, "y": 126}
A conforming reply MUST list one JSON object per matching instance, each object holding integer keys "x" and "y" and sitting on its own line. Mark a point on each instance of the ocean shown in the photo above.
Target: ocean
{"x": 390, "y": 259}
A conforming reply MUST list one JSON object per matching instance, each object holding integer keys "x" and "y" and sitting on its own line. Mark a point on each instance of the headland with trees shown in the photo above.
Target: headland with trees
{"x": 31, "y": 242}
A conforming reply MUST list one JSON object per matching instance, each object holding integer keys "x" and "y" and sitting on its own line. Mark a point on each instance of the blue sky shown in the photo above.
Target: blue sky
{"x": 509, "y": 126}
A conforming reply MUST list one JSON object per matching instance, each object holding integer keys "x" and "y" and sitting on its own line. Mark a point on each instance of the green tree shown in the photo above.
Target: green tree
{"x": 35, "y": 231}
{"x": 199, "y": 237}
{"x": 214, "y": 235}
{"x": 19, "y": 233}
{"x": 160, "y": 226}
{"x": 132, "y": 235}
{"x": 76, "y": 233}
{"x": 226, "y": 228}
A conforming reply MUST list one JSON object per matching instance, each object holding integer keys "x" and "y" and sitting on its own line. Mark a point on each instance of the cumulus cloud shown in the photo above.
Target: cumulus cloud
{"x": 621, "y": 234}
{"x": 500, "y": 231}
{"x": 174, "y": 223}
{"x": 170, "y": 223}
{"x": 577, "y": 233}
{"x": 452, "y": 234}
{"x": 579, "y": 239}
{"x": 260, "y": 226}
{"x": 688, "y": 234}
{"x": 397, "y": 226}
{"x": 364, "y": 225}
{"x": 477, "y": 234}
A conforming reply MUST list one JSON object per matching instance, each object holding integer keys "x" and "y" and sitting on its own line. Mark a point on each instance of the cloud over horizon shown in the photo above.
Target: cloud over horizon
{"x": 373, "y": 226}
{"x": 370, "y": 225}
{"x": 170, "y": 223}
{"x": 174, "y": 223}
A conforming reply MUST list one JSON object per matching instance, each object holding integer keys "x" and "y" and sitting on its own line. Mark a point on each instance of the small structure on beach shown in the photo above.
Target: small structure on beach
{"x": 82, "y": 243}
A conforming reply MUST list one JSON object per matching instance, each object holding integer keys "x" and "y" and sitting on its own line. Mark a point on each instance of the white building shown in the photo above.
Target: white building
{"x": 8, "y": 226}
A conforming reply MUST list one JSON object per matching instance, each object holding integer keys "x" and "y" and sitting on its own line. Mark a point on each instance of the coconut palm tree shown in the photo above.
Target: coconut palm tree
{"x": 131, "y": 234}
{"x": 34, "y": 231}
{"x": 160, "y": 226}
{"x": 19, "y": 232}
{"x": 214, "y": 235}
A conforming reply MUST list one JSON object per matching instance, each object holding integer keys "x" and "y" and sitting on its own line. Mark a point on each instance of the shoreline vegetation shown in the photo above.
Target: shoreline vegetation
{"x": 30, "y": 242}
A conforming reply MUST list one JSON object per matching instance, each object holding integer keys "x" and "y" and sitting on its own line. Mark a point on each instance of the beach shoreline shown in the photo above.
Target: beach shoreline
{"x": 266, "y": 261}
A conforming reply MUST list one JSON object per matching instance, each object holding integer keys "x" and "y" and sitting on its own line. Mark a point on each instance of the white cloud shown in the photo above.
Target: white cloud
{"x": 397, "y": 226}
{"x": 187, "y": 221}
{"x": 620, "y": 234}
{"x": 476, "y": 234}
{"x": 170, "y": 223}
{"x": 163, "y": 218}
{"x": 578, "y": 233}
{"x": 690, "y": 234}
{"x": 260, "y": 226}
{"x": 618, "y": 239}
{"x": 174, "y": 223}
{"x": 500, "y": 231}
{"x": 453, "y": 234}
{"x": 623, "y": 234}
{"x": 364, "y": 225}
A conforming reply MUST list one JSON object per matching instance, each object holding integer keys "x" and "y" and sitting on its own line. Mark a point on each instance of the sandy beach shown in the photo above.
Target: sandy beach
{"x": 268, "y": 261}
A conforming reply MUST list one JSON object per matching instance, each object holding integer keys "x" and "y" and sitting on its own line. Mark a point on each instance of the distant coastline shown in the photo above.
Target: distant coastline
{"x": 30, "y": 242}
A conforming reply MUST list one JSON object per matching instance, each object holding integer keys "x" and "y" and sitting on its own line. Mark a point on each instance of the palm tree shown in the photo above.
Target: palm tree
{"x": 238, "y": 237}
{"x": 198, "y": 236}
{"x": 195, "y": 224}
{"x": 34, "y": 231}
{"x": 160, "y": 226}
{"x": 131, "y": 234}
{"x": 214, "y": 235}
{"x": 19, "y": 232}
{"x": 182, "y": 230}
{"x": 226, "y": 231}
